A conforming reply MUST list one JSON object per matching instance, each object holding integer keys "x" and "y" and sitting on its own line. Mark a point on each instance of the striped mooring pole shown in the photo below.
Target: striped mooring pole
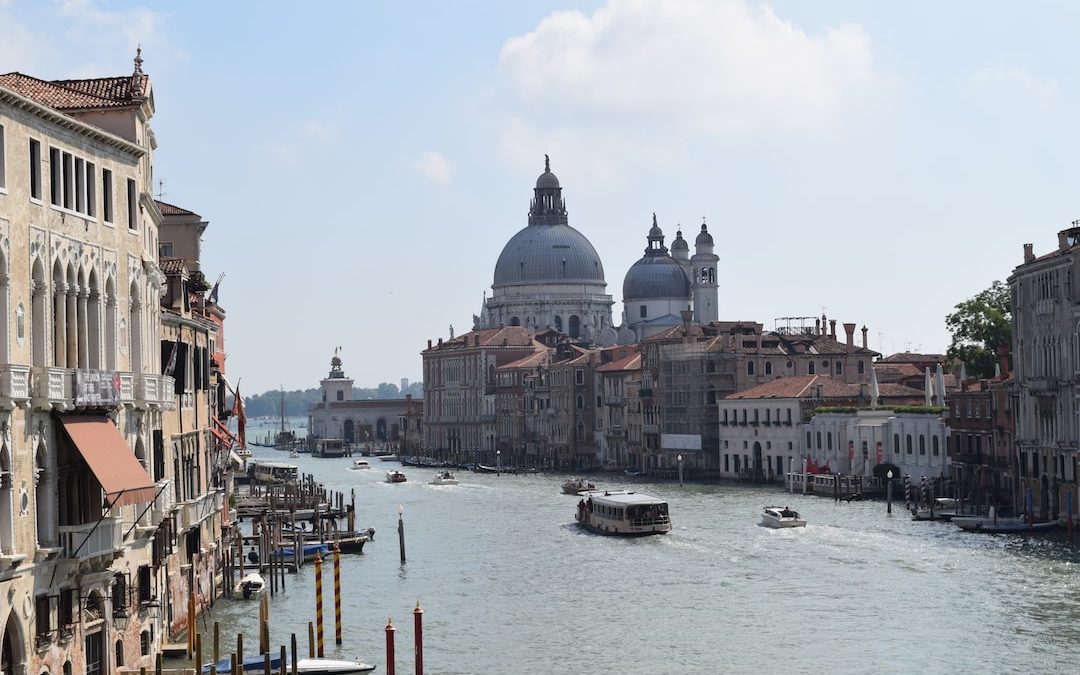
{"x": 907, "y": 491}
{"x": 337, "y": 593}
{"x": 318, "y": 606}
{"x": 924, "y": 491}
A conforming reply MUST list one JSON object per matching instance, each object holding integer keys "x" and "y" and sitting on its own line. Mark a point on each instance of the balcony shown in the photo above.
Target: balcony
{"x": 164, "y": 502}
{"x": 14, "y": 385}
{"x": 154, "y": 391}
{"x": 617, "y": 431}
{"x": 91, "y": 540}
{"x": 191, "y": 513}
{"x": 51, "y": 388}
{"x": 613, "y": 400}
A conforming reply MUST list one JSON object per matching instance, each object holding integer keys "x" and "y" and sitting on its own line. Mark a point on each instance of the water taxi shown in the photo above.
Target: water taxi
{"x": 444, "y": 477}
{"x": 781, "y": 516}
{"x": 393, "y": 476}
{"x": 576, "y": 485}
{"x": 361, "y": 464}
{"x": 623, "y": 513}
{"x": 273, "y": 473}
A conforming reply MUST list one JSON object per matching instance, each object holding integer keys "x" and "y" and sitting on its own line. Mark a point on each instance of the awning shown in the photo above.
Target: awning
{"x": 122, "y": 477}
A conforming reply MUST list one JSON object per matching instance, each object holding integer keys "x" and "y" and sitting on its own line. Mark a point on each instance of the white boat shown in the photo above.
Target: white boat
{"x": 393, "y": 476}
{"x": 945, "y": 508}
{"x": 273, "y": 473}
{"x": 256, "y": 665}
{"x": 576, "y": 485}
{"x": 250, "y": 586}
{"x": 781, "y": 516}
{"x": 444, "y": 477}
{"x": 361, "y": 464}
{"x": 622, "y": 513}
{"x": 995, "y": 523}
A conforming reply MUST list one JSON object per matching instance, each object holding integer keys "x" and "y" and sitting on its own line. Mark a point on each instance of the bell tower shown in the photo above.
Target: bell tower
{"x": 703, "y": 278}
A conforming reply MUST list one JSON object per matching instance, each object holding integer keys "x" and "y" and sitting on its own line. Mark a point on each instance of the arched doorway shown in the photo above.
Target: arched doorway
{"x": 12, "y": 660}
{"x": 350, "y": 431}
{"x": 380, "y": 430}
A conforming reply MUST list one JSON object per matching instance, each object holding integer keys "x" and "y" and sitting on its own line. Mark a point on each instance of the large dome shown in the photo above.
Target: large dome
{"x": 548, "y": 254}
{"x": 655, "y": 277}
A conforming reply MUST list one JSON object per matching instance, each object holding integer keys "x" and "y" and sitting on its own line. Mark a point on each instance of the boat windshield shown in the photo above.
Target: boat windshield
{"x": 647, "y": 514}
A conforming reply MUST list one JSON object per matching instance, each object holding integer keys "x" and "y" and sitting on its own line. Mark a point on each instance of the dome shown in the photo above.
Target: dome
{"x": 547, "y": 180}
{"x": 679, "y": 244}
{"x": 704, "y": 239}
{"x": 655, "y": 277}
{"x": 548, "y": 254}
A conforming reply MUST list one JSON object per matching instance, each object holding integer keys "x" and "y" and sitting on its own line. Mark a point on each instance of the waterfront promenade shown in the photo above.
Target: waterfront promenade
{"x": 509, "y": 584}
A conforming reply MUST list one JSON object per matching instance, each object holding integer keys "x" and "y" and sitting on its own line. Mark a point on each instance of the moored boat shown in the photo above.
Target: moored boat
{"x": 393, "y": 476}
{"x": 994, "y": 523}
{"x": 250, "y": 586}
{"x": 623, "y": 513}
{"x": 256, "y": 665}
{"x": 944, "y": 508}
{"x": 444, "y": 477}
{"x": 576, "y": 485}
{"x": 781, "y": 516}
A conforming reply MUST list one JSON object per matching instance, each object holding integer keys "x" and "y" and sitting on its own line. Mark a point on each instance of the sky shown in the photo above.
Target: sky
{"x": 362, "y": 164}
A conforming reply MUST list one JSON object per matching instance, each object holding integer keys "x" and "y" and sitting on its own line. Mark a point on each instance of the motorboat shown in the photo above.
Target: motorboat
{"x": 781, "y": 516}
{"x": 481, "y": 468}
{"x": 387, "y": 458}
{"x": 576, "y": 485}
{"x": 288, "y": 553}
{"x": 622, "y": 513}
{"x": 361, "y": 464}
{"x": 250, "y": 586}
{"x": 394, "y": 476}
{"x": 994, "y": 523}
{"x": 945, "y": 508}
{"x": 444, "y": 477}
{"x": 256, "y": 665}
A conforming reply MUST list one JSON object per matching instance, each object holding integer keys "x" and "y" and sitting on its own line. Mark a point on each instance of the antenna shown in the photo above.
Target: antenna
{"x": 161, "y": 188}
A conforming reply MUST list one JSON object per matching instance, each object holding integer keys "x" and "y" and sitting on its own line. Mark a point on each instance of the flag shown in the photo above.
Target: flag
{"x": 171, "y": 367}
{"x": 238, "y": 412}
{"x": 214, "y": 290}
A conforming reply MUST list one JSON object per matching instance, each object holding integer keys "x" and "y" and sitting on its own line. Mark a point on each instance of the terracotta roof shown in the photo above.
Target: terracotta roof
{"x": 911, "y": 357}
{"x": 629, "y": 362}
{"x": 171, "y": 265}
{"x": 514, "y": 336}
{"x": 795, "y": 386}
{"x": 806, "y": 386}
{"x": 69, "y": 95}
{"x": 170, "y": 210}
{"x": 537, "y": 358}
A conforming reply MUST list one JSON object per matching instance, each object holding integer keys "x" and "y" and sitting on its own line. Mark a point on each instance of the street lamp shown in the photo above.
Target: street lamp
{"x": 498, "y": 462}
{"x": 678, "y": 458}
{"x": 888, "y": 491}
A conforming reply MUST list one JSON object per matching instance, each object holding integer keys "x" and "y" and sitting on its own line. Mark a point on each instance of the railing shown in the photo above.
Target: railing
{"x": 613, "y": 400}
{"x": 164, "y": 502}
{"x": 51, "y": 386}
{"x": 127, "y": 387}
{"x": 193, "y": 512}
{"x": 14, "y": 385}
{"x": 617, "y": 431}
{"x": 91, "y": 539}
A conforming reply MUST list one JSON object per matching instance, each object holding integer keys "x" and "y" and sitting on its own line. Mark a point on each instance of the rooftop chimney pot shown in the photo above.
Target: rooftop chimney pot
{"x": 1029, "y": 253}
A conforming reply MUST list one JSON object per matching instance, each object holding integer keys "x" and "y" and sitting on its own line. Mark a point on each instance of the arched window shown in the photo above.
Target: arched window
{"x": 922, "y": 444}
{"x": 896, "y": 444}
{"x": 808, "y": 443}
{"x": 43, "y": 497}
{"x": 810, "y": 368}
{"x": 558, "y": 323}
{"x": 515, "y": 321}
{"x": 575, "y": 326}
{"x": 819, "y": 440}
{"x": 135, "y": 329}
{"x": 909, "y": 444}
{"x": 580, "y": 402}
{"x": 749, "y": 367}
{"x": 828, "y": 438}
{"x": 768, "y": 367}
{"x": 937, "y": 449}
{"x": 7, "y": 515}
{"x": 119, "y": 660}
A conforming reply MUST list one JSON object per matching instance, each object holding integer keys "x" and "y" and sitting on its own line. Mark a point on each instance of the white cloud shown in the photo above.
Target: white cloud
{"x": 319, "y": 131}
{"x": 711, "y": 66}
{"x": 1015, "y": 78}
{"x": 433, "y": 166}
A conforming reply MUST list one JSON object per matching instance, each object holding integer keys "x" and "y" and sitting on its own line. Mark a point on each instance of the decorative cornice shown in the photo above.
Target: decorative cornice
{"x": 68, "y": 122}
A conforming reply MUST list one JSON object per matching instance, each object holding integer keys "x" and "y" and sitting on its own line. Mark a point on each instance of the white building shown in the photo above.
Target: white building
{"x": 854, "y": 442}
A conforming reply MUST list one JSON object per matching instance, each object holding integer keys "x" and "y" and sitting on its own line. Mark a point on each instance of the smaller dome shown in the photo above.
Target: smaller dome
{"x": 704, "y": 239}
{"x": 655, "y": 232}
{"x": 547, "y": 180}
{"x": 655, "y": 277}
{"x": 679, "y": 244}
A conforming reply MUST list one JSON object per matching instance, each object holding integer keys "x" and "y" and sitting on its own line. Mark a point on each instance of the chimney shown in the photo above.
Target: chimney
{"x": 429, "y": 344}
{"x": 817, "y": 326}
{"x": 1029, "y": 254}
{"x": 864, "y": 338}
{"x": 1063, "y": 240}
{"x": 849, "y": 328}
{"x": 832, "y": 328}
{"x": 476, "y": 340}
{"x": 687, "y": 316}
{"x": 1003, "y": 360}
{"x": 440, "y": 342}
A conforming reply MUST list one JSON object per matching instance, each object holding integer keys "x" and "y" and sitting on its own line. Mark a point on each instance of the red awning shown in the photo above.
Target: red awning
{"x": 122, "y": 477}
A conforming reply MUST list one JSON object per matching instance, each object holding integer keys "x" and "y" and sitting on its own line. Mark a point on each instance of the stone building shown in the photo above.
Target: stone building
{"x": 980, "y": 443}
{"x": 81, "y": 393}
{"x": 548, "y": 275}
{"x": 1046, "y": 359}
{"x": 617, "y": 376}
{"x": 513, "y": 382}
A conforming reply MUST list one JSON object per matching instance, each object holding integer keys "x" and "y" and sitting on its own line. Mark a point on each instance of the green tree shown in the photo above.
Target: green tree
{"x": 978, "y": 327}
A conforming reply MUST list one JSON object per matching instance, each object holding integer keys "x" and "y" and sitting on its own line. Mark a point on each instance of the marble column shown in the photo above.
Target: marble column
{"x": 60, "y": 326}
{"x": 84, "y": 333}
{"x": 73, "y": 327}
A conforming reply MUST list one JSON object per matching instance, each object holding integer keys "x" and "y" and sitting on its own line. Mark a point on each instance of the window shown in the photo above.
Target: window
{"x": 144, "y": 584}
{"x": 828, "y": 438}
{"x": 35, "y": 169}
{"x": 67, "y": 180}
{"x": 42, "y": 615}
{"x": 810, "y": 370}
{"x": 768, "y": 367}
{"x": 580, "y": 402}
{"x": 861, "y": 367}
{"x": 132, "y": 220}
{"x": 119, "y": 660}
{"x": 922, "y": 444}
{"x": 340, "y": 395}
{"x": 819, "y": 440}
{"x": 579, "y": 376}
{"x": 896, "y": 444}
{"x": 3, "y": 182}
{"x": 839, "y": 368}
{"x": 937, "y": 449}
{"x": 749, "y": 367}
{"x": 54, "y": 177}
{"x": 808, "y": 443}
{"x": 91, "y": 190}
{"x": 909, "y": 444}
{"x": 107, "y": 195}
{"x": 644, "y": 312}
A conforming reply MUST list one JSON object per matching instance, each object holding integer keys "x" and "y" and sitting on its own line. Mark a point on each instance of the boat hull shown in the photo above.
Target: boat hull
{"x": 982, "y": 524}
{"x": 782, "y": 523}
{"x": 622, "y": 531}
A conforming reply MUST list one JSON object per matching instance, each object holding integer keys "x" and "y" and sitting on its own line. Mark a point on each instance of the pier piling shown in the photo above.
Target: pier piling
{"x": 418, "y": 637}
{"x": 318, "y": 605}
{"x": 292, "y": 649}
{"x": 390, "y": 646}
{"x": 310, "y": 640}
{"x": 401, "y": 531}
{"x": 337, "y": 594}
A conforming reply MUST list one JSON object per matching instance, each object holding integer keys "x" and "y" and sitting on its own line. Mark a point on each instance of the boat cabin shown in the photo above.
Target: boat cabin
{"x": 273, "y": 473}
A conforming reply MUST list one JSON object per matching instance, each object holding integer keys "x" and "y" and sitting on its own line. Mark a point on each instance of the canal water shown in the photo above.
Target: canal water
{"x": 509, "y": 584}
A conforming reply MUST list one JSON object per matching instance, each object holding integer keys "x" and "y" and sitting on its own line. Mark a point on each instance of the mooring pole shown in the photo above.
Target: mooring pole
{"x": 318, "y": 606}
{"x": 418, "y": 631}
{"x": 390, "y": 646}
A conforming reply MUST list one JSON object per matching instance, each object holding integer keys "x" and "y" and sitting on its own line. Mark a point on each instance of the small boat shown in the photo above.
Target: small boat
{"x": 360, "y": 464}
{"x": 294, "y": 454}
{"x": 781, "y": 516}
{"x": 945, "y": 508}
{"x": 250, "y": 586}
{"x": 576, "y": 485}
{"x": 288, "y": 553}
{"x": 387, "y": 458}
{"x": 480, "y": 468}
{"x": 994, "y": 523}
{"x": 256, "y": 665}
{"x": 623, "y": 513}
{"x": 393, "y": 476}
{"x": 444, "y": 477}
{"x": 633, "y": 473}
